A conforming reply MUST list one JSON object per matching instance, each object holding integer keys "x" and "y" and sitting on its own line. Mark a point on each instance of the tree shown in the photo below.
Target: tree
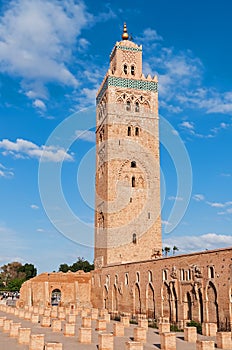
{"x": 167, "y": 250}
{"x": 13, "y": 274}
{"x": 28, "y": 270}
{"x": 175, "y": 249}
{"x": 80, "y": 264}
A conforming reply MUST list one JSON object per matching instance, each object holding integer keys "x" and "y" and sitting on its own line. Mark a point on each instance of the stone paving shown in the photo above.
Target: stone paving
{"x": 71, "y": 342}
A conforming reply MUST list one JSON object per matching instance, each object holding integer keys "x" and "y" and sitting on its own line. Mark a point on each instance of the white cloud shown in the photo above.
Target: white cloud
{"x": 39, "y": 104}
{"x": 198, "y": 197}
{"x": 40, "y": 230}
{"x": 22, "y": 148}
{"x": 225, "y": 175}
{"x": 36, "y": 38}
{"x": 4, "y": 172}
{"x": 187, "y": 125}
{"x": 34, "y": 206}
{"x": 219, "y": 205}
{"x": 85, "y": 135}
{"x": 148, "y": 36}
{"x": 191, "y": 243}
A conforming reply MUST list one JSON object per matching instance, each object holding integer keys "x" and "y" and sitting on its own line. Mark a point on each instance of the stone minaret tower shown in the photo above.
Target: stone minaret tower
{"x": 127, "y": 212}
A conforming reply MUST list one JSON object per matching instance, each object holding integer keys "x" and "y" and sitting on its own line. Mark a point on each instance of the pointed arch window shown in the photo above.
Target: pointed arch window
{"x": 132, "y": 70}
{"x": 133, "y": 181}
{"x": 136, "y": 131}
{"x": 129, "y": 131}
{"x": 125, "y": 70}
{"x": 128, "y": 105}
{"x": 133, "y": 164}
{"x": 134, "y": 238}
{"x": 136, "y": 107}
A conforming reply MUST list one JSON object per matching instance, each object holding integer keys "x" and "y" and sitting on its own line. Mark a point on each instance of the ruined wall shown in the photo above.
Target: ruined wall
{"x": 195, "y": 286}
{"x": 74, "y": 287}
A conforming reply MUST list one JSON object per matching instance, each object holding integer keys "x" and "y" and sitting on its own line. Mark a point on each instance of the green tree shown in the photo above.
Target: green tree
{"x": 13, "y": 274}
{"x": 80, "y": 264}
{"x": 28, "y": 270}
{"x": 167, "y": 250}
{"x": 175, "y": 249}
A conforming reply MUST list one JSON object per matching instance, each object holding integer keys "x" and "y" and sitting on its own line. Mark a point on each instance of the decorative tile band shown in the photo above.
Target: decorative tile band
{"x": 128, "y": 48}
{"x": 127, "y": 83}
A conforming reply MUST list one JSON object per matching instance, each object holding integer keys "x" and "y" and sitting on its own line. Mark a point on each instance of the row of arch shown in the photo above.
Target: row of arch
{"x": 191, "y": 307}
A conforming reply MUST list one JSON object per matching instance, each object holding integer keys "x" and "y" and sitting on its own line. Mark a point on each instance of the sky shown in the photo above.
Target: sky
{"x": 53, "y": 57}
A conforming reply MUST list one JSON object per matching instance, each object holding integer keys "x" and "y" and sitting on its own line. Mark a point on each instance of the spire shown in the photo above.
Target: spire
{"x": 125, "y": 35}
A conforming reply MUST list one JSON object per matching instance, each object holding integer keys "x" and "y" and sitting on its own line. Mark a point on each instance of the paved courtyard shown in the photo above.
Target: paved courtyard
{"x": 71, "y": 343}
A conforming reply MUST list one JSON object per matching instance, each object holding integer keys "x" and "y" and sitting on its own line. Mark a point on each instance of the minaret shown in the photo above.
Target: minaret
{"x": 127, "y": 212}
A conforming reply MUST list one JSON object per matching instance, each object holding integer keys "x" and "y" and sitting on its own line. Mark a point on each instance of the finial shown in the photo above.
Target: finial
{"x": 125, "y": 35}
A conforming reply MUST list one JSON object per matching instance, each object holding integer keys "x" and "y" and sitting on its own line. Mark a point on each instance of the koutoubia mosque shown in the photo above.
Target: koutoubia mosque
{"x": 131, "y": 276}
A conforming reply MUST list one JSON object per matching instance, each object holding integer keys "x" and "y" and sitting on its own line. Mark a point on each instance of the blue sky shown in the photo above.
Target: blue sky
{"x": 53, "y": 56}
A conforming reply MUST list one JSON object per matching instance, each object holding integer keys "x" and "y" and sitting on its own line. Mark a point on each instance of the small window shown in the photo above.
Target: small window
{"x": 126, "y": 279}
{"x": 211, "y": 272}
{"x": 182, "y": 275}
{"x": 128, "y": 106}
{"x": 137, "y": 277}
{"x": 124, "y": 96}
{"x": 133, "y": 181}
{"x": 136, "y": 107}
{"x": 136, "y": 131}
{"x": 149, "y": 215}
{"x": 149, "y": 276}
{"x": 133, "y": 164}
{"x": 125, "y": 68}
{"x": 116, "y": 279}
{"x": 134, "y": 238}
{"x": 130, "y": 199}
{"x": 129, "y": 131}
{"x": 132, "y": 70}
{"x": 165, "y": 275}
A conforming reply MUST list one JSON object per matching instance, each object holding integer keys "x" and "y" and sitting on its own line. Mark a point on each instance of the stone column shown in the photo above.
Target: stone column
{"x": 56, "y": 325}
{"x": 118, "y": 329}
{"x": 46, "y": 321}
{"x": 14, "y": 329}
{"x": 85, "y": 335}
{"x": 71, "y": 318}
{"x": 164, "y": 328}
{"x": 205, "y": 345}
{"x": 69, "y": 329}
{"x": 6, "y": 325}
{"x": 143, "y": 323}
{"x": 86, "y": 322}
{"x": 140, "y": 334}
{"x": 125, "y": 321}
{"x": 133, "y": 345}
{"x": 168, "y": 341}
{"x": 34, "y": 318}
{"x": 36, "y": 342}
{"x": 24, "y": 335}
{"x": 101, "y": 325}
{"x": 105, "y": 341}
{"x": 190, "y": 334}
{"x": 223, "y": 340}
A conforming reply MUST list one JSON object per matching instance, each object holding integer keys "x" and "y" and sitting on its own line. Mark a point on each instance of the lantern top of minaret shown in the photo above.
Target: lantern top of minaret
{"x": 125, "y": 35}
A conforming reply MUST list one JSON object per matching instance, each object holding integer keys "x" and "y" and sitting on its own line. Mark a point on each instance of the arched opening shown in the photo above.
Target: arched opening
{"x": 133, "y": 181}
{"x": 174, "y": 305}
{"x": 213, "y": 315}
{"x": 115, "y": 299}
{"x": 134, "y": 238}
{"x": 211, "y": 272}
{"x": 133, "y": 164}
{"x": 137, "y": 300}
{"x": 189, "y": 306}
{"x": 125, "y": 70}
{"x": 136, "y": 107}
{"x": 126, "y": 279}
{"x": 150, "y": 302}
{"x": 132, "y": 70}
{"x": 166, "y": 301}
{"x": 129, "y": 131}
{"x": 136, "y": 131}
{"x": 105, "y": 298}
{"x": 56, "y": 297}
{"x": 128, "y": 105}
{"x": 201, "y": 306}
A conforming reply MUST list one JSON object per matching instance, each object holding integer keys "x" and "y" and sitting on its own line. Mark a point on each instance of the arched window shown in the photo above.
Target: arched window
{"x": 128, "y": 106}
{"x": 134, "y": 238}
{"x": 149, "y": 276}
{"x": 165, "y": 275}
{"x": 137, "y": 277}
{"x": 126, "y": 279}
{"x": 136, "y": 131}
{"x": 136, "y": 107}
{"x": 125, "y": 68}
{"x": 133, "y": 181}
{"x": 132, "y": 70}
{"x": 129, "y": 131}
{"x": 133, "y": 164}
{"x": 116, "y": 279}
{"x": 211, "y": 272}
